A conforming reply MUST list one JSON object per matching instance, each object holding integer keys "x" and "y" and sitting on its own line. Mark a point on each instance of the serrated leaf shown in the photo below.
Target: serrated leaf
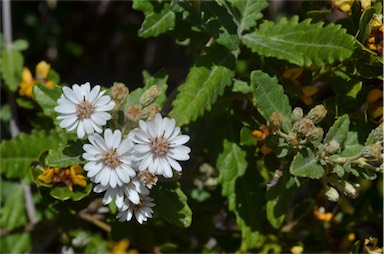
{"x": 47, "y": 97}
{"x": 247, "y": 13}
{"x": 65, "y": 155}
{"x": 302, "y": 43}
{"x": 246, "y": 137}
{"x": 20, "y": 45}
{"x": 279, "y": 198}
{"x": 205, "y": 82}
{"x": 81, "y": 192}
{"x": 364, "y": 24}
{"x": 240, "y": 187}
{"x": 374, "y": 136}
{"x": 157, "y": 20}
{"x": 219, "y": 25}
{"x": 240, "y": 86}
{"x": 18, "y": 243}
{"x": 18, "y": 154}
{"x": 12, "y": 205}
{"x": 269, "y": 97}
{"x": 304, "y": 164}
{"x": 171, "y": 204}
{"x": 11, "y": 65}
{"x": 338, "y": 130}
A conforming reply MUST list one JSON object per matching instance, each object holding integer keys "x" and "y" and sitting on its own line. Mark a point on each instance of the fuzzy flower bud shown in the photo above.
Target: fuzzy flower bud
{"x": 349, "y": 190}
{"x": 297, "y": 114}
{"x": 332, "y": 147}
{"x": 317, "y": 114}
{"x": 332, "y": 194}
{"x": 150, "y": 95}
{"x": 372, "y": 152}
{"x": 119, "y": 91}
{"x": 293, "y": 139}
{"x": 316, "y": 135}
{"x": 304, "y": 127}
{"x": 133, "y": 113}
{"x": 151, "y": 110}
{"x": 276, "y": 121}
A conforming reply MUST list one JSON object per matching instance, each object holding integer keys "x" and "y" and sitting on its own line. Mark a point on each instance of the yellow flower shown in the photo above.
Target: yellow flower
{"x": 121, "y": 247}
{"x": 308, "y": 92}
{"x": 297, "y": 249}
{"x": 26, "y": 83}
{"x": 365, "y": 4}
{"x": 375, "y": 103}
{"x": 46, "y": 175}
{"x": 343, "y": 5}
{"x": 293, "y": 73}
{"x": 370, "y": 246}
{"x": 77, "y": 175}
{"x": 42, "y": 70}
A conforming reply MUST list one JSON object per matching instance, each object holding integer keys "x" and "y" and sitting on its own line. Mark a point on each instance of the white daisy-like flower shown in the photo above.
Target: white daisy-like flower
{"x": 158, "y": 145}
{"x": 131, "y": 191}
{"x": 84, "y": 109}
{"x": 109, "y": 159}
{"x": 142, "y": 211}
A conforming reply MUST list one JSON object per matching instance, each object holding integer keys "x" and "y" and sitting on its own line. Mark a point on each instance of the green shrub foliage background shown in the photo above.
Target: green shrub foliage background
{"x": 240, "y": 191}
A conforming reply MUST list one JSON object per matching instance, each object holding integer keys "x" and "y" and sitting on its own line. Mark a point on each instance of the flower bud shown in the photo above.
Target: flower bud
{"x": 150, "y": 95}
{"x": 317, "y": 114}
{"x": 343, "y": 5}
{"x": 316, "y": 135}
{"x": 293, "y": 139}
{"x": 276, "y": 120}
{"x": 134, "y": 112}
{"x": 378, "y": 134}
{"x": 372, "y": 152}
{"x": 151, "y": 110}
{"x": 304, "y": 127}
{"x": 119, "y": 91}
{"x": 297, "y": 114}
{"x": 332, "y": 194}
{"x": 147, "y": 179}
{"x": 351, "y": 190}
{"x": 332, "y": 147}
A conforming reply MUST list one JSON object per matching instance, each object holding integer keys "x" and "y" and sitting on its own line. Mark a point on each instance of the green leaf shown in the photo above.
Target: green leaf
{"x": 18, "y": 154}
{"x": 81, "y": 192}
{"x": 269, "y": 97}
{"x": 351, "y": 145}
{"x": 246, "y": 13}
{"x": 338, "y": 130}
{"x": 364, "y": 24}
{"x": 302, "y": 43}
{"x": 219, "y": 25}
{"x": 47, "y": 97}
{"x": 279, "y": 198}
{"x": 205, "y": 82}
{"x": 304, "y": 164}
{"x": 240, "y": 86}
{"x": 240, "y": 187}
{"x": 12, "y": 205}
{"x": 376, "y": 135}
{"x": 20, "y": 45}
{"x": 171, "y": 204}
{"x": 11, "y": 65}
{"x": 157, "y": 20}
{"x": 246, "y": 137}
{"x": 5, "y": 112}
{"x": 65, "y": 155}
{"x": 160, "y": 79}
{"x": 61, "y": 193}
{"x": 18, "y": 243}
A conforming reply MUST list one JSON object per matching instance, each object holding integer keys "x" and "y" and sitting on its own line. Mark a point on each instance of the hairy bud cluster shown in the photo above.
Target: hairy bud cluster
{"x": 347, "y": 188}
{"x": 119, "y": 92}
{"x": 276, "y": 121}
{"x": 332, "y": 147}
{"x": 317, "y": 114}
{"x": 150, "y": 95}
{"x": 372, "y": 152}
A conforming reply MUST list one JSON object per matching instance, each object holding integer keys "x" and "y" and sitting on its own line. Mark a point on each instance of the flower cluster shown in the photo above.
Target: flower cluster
{"x": 123, "y": 165}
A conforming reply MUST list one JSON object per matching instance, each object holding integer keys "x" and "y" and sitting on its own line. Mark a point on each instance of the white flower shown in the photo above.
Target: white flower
{"x": 131, "y": 190}
{"x": 84, "y": 109}
{"x": 142, "y": 211}
{"x": 109, "y": 159}
{"x": 158, "y": 146}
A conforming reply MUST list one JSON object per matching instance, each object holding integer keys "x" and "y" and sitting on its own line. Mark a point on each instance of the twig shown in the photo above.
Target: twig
{"x": 95, "y": 221}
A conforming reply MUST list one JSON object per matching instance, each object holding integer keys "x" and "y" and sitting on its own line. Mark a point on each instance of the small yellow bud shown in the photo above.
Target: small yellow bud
{"x": 266, "y": 150}
{"x": 76, "y": 175}
{"x": 150, "y": 95}
{"x": 42, "y": 70}
{"x": 297, "y": 249}
{"x": 365, "y": 4}
{"x": 374, "y": 95}
{"x": 309, "y": 90}
{"x": 133, "y": 113}
{"x": 293, "y": 73}
{"x": 46, "y": 175}
{"x": 343, "y": 5}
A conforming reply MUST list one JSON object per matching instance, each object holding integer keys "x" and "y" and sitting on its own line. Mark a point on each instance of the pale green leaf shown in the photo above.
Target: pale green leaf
{"x": 17, "y": 243}
{"x": 18, "y": 154}
{"x": 47, "y": 97}
{"x": 11, "y": 65}
{"x": 304, "y": 164}
{"x": 20, "y": 44}
{"x": 61, "y": 193}
{"x": 240, "y": 187}
{"x": 157, "y": 22}
{"x": 171, "y": 204}
{"x": 240, "y": 86}
{"x": 65, "y": 155}
{"x": 246, "y": 13}
{"x": 376, "y": 135}
{"x": 302, "y": 43}
{"x": 269, "y": 97}
{"x": 338, "y": 130}
{"x": 351, "y": 145}
{"x": 160, "y": 79}
{"x": 205, "y": 82}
